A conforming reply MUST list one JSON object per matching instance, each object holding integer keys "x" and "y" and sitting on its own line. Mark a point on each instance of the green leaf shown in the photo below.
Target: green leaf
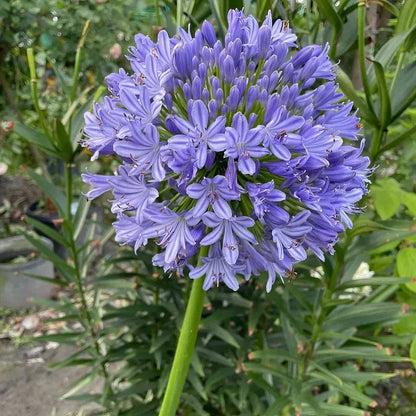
{"x": 406, "y": 325}
{"x": 373, "y": 281}
{"x": 348, "y": 89}
{"x": 355, "y": 353}
{"x": 354, "y": 394}
{"x": 351, "y": 373}
{"x": 33, "y": 136}
{"x": 81, "y": 383}
{"x": 67, "y": 270}
{"x": 407, "y": 17}
{"x": 349, "y": 33}
{"x": 264, "y": 369}
{"x": 387, "y": 197}
{"x": 197, "y": 365}
{"x": 413, "y": 352}
{"x": 51, "y": 190}
{"x": 404, "y": 92}
{"x": 80, "y": 216}
{"x": 275, "y": 354}
{"x": 340, "y": 410}
{"x": 71, "y": 338}
{"x": 77, "y": 120}
{"x": 48, "y": 231}
{"x": 327, "y": 9}
{"x": 406, "y": 265}
{"x": 215, "y": 357}
{"x": 385, "y": 105}
{"x": 63, "y": 141}
{"x": 388, "y": 51}
{"x": 409, "y": 199}
{"x": 362, "y": 314}
{"x": 197, "y": 385}
{"x": 254, "y": 316}
{"x": 45, "y": 279}
{"x": 221, "y": 333}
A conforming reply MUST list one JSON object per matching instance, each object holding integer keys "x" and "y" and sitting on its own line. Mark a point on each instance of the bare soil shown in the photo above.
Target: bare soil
{"x": 28, "y": 388}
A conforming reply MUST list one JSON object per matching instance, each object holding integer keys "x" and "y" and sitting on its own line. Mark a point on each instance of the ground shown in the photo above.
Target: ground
{"x": 28, "y": 388}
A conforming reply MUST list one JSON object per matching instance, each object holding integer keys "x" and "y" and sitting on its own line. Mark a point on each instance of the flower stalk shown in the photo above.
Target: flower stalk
{"x": 185, "y": 347}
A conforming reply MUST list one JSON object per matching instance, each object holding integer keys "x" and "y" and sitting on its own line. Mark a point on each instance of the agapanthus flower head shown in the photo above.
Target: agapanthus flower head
{"x": 243, "y": 146}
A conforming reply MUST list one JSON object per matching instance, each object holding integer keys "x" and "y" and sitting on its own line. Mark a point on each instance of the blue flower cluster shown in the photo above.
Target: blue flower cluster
{"x": 242, "y": 146}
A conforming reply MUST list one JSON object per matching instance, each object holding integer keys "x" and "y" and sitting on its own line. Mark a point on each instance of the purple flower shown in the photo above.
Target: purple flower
{"x": 242, "y": 146}
{"x": 264, "y": 198}
{"x": 233, "y": 230}
{"x": 142, "y": 149}
{"x": 242, "y": 143}
{"x": 215, "y": 192}
{"x": 216, "y": 270}
{"x": 101, "y": 184}
{"x": 172, "y": 230}
{"x": 197, "y": 134}
{"x": 132, "y": 193}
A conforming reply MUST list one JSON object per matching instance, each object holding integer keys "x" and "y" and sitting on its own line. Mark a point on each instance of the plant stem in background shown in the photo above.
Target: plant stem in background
{"x": 34, "y": 90}
{"x": 84, "y": 309}
{"x": 361, "y": 50}
{"x": 34, "y": 93}
{"x": 185, "y": 347}
{"x": 179, "y": 13}
{"x": 68, "y": 181}
{"x": 78, "y": 60}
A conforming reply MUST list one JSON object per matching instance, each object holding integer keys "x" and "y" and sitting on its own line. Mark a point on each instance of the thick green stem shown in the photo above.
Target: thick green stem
{"x": 185, "y": 348}
{"x": 376, "y": 142}
{"x": 334, "y": 43}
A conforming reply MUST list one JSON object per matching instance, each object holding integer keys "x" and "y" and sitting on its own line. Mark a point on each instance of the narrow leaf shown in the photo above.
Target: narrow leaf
{"x": 385, "y": 105}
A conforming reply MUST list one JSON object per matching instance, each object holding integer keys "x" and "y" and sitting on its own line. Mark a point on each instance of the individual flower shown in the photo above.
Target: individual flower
{"x": 244, "y": 147}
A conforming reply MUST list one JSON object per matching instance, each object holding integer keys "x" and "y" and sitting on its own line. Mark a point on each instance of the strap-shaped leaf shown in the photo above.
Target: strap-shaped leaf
{"x": 385, "y": 105}
{"x": 63, "y": 141}
{"x": 47, "y": 230}
{"x": 404, "y": 92}
{"x": 33, "y": 136}
{"x": 388, "y": 51}
{"x": 327, "y": 9}
{"x": 348, "y": 89}
{"x": 51, "y": 191}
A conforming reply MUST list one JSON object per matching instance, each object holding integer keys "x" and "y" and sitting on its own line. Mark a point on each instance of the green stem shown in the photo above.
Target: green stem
{"x": 78, "y": 61}
{"x": 396, "y": 72}
{"x": 179, "y": 13}
{"x": 376, "y": 142}
{"x": 186, "y": 344}
{"x": 79, "y": 281}
{"x": 34, "y": 90}
{"x": 361, "y": 50}
{"x": 68, "y": 181}
{"x": 334, "y": 41}
{"x": 407, "y": 135}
